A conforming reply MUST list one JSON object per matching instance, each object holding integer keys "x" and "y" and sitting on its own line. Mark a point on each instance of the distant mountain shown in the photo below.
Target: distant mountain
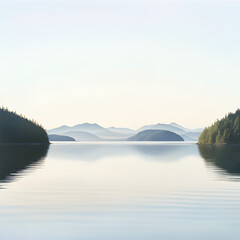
{"x": 58, "y": 130}
{"x": 92, "y": 132}
{"x": 161, "y": 126}
{"x": 114, "y": 133}
{"x": 82, "y": 136}
{"x": 187, "y": 138}
{"x": 54, "y": 137}
{"x": 186, "y": 129}
{"x": 194, "y": 135}
{"x": 156, "y": 135}
{"x": 126, "y": 131}
{"x": 85, "y": 127}
{"x": 187, "y": 134}
{"x": 100, "y": 132}
{"x": 88, "y": 127}
{"x": 110, "y": 135}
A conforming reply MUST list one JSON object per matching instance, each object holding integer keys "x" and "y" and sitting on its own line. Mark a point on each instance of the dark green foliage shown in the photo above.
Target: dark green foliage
{"x": 156, "y": 135}
{"x": 226, "y": 130}
{"x": 18, "y": 129}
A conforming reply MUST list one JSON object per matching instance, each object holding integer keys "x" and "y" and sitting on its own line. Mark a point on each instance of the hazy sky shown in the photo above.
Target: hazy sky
{"x": 122, "y": 63}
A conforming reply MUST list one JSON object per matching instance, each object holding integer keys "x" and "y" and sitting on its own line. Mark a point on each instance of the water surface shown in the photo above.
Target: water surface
{"x": 119, "y": 190}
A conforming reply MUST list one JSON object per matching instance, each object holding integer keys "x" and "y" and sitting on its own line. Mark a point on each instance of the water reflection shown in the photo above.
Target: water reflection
{"x": 97, "y": 151}
{"x": 131, "y": 191}
{"x": 166, "y": 151}
{"x": 16, "y": 158}
{"x": 225, "y": 157}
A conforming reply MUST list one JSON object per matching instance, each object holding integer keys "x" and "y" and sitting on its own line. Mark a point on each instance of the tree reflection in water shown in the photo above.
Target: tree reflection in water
{"x": 225, "y": 157}
{"x": 16, "y": 158}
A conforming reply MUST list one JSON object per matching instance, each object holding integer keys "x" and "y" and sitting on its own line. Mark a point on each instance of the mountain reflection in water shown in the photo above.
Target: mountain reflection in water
{"x": 16, "y": 158}
{"x": 97, "y": 151}
{"x": 120, "y": 190}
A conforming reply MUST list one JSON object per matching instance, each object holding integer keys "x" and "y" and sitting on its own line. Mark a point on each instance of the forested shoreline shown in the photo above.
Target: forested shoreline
{"x": 16, "y": 128}
{"x": 226, "y": 130}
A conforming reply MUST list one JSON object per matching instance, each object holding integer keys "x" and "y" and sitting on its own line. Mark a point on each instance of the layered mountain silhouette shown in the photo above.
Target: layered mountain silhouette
{"x": 95, "y": 132}
{"x": 185, "y": 129}
{"x": 82, "y": 136}
{"x": 122, "y": 130}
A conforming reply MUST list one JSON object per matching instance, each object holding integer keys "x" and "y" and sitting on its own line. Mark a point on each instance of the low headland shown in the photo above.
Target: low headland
{"x": 55, "y": 137}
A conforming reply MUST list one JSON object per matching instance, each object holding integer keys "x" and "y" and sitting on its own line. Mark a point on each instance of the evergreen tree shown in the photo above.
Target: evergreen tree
{"x": 219, "y": 137}
{"x": 15, "y": 128}
{"x": 226, "y": 130}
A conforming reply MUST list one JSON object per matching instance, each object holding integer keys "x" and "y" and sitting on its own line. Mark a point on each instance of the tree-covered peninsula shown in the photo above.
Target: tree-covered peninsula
{"x": 15, "y": 128}
{"x": 226, "y": 130}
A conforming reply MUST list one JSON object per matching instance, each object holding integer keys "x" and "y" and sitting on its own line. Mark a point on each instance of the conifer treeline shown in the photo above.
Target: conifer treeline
{"x": 18, "y": 129}
{"x": 226, "y": 130}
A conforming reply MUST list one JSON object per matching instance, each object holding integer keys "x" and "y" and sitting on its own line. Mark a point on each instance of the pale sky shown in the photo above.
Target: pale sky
{"x": 122, "y": 63}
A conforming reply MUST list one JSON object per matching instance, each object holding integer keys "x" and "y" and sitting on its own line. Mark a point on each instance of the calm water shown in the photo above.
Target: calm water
{"x": 113, "y": 191}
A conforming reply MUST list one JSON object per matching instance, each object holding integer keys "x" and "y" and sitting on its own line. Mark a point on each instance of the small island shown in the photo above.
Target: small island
{"x": 226, "y": 130}
{"x": 55, "y": 137}
{"x": 16, "y": 128}
{"x": 156, "y": 135}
